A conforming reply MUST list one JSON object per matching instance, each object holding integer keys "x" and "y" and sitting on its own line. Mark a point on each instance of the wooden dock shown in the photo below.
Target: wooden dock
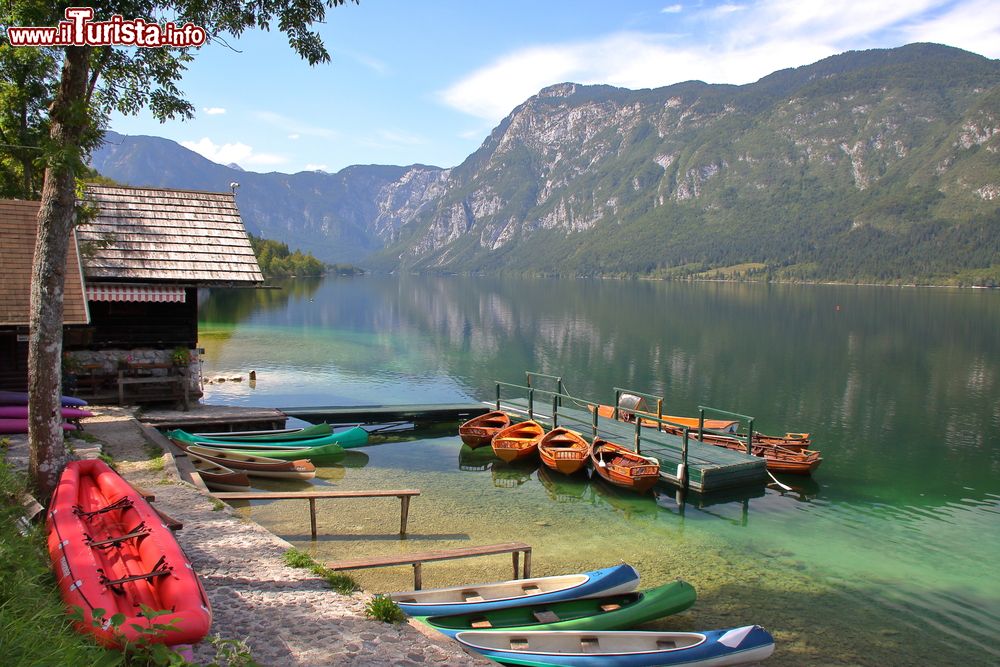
{"x": 710, "y": 468}
{"x": 215, "y": 418}
{"x": 375, "y": 414}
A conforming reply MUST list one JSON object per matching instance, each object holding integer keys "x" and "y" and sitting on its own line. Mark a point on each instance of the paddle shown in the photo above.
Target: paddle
{"x": 774, "y": 479}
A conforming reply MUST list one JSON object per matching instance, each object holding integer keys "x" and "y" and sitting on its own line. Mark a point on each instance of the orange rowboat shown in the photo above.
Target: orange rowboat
{"x": 518, "y": 441}
{"x": 608, "y": 412}
{"x": 564, "y": 450}
{"x": 623, "y": 467}
{"x": 480, "y": 430}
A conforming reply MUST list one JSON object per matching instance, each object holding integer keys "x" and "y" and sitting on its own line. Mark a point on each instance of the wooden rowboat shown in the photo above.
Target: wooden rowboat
{"x": 712, "y": 648}
{"x": 626, "y": 415}
{"x": 476, "y": 598}
{"x": 779, "y": 459}
{"x": 111, "y": 551}
{"x": 218, "y": 477}
{"x": 518, "y": 441}
{"x": 564, "y": 450}
{"x": 610, "y": 612}
{"x": 480, "y": 430}
{"x": 257, "y": 466}
{"x": 623, "y": 467}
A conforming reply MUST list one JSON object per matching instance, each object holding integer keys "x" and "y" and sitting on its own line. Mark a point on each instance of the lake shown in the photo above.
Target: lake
{"x": 885, "y": 557}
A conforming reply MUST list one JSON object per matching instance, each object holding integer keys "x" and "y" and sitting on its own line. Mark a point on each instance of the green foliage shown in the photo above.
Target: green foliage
{"x": 338, "y": 581}
{"x": 382, "y": 608}
{"x": 276, "y": 260}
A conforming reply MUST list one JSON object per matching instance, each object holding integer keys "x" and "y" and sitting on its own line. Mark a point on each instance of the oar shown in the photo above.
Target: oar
{"x": 774, "y": 479}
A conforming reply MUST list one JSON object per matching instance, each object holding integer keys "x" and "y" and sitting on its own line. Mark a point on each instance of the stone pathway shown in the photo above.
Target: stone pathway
{"x": 287, "y": 616}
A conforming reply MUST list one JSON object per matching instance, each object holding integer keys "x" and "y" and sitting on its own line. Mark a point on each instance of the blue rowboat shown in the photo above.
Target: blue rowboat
{"x": 713, "y": 648}
{"x": 474, "y": 598}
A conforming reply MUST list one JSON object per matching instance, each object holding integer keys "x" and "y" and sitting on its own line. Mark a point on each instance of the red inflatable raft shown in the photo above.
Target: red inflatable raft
{"x": 111, "y": 550}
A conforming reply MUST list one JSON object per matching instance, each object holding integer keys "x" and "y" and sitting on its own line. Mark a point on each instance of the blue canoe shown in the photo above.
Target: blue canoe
{"x": 475, "y": 598}
{"x": 714, "y": 648}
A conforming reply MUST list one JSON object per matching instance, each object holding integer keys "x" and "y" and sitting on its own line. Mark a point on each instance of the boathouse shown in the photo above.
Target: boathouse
{"x": 144, "y": 254}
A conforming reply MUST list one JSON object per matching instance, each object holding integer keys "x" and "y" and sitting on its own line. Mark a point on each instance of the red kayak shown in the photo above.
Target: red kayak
{"x": 111, "y": 550}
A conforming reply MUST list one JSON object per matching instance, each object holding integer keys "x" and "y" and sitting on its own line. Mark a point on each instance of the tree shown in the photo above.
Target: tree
{"x": 26, "y": 89}
{"x": 93, "y": 81}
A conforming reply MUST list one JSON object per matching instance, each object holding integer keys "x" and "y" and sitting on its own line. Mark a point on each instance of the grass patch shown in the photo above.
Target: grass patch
{"x": 34, "y": 626}
{"x": 382, "y": 608}
{"x": 338, "y": 581}
{"x": 107, "y": 458}
{"x": 218, "y": 505}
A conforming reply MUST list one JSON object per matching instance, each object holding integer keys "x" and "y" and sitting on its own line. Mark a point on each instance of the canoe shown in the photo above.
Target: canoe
{"x": 111, "y": 551}
{"x": 257, "y": 466}
{"x": 274, "y": 435}
{"x": 21, "y": 412}
{"x": 715, "y": 648}
{"x": 12, "y": 426}
{"x": 352, "y": 437}
{"x": 613, "y": 612}
{"x": 628, "y": 415}
{"x": 21, "y": 398}
{"x": 518, "y": 441}
{"x": 218, "y": 477}
{"x": 564, "y": 450}
{"x": 478, "y": 598}
{"x": 480, "y": 430}
{"x": 623, "y": 467}
{"x": 330, "y": 451}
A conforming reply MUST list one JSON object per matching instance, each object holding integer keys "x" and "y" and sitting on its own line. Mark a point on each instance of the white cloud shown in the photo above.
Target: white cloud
{"x": 316, "y": 167}
{"x": 294, "y": 136}
{"x": 238, "y": 152}
{"x": 672, "y": 9}
{"x": 730, "y": 43}
{"x": 214, "y": 111}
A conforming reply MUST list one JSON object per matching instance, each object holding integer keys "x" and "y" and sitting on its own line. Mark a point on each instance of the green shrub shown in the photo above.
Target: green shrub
{"x": 382, "y": 608}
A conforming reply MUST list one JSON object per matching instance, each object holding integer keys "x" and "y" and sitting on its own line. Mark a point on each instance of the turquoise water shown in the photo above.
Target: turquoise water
{"x": 884, "y": 557}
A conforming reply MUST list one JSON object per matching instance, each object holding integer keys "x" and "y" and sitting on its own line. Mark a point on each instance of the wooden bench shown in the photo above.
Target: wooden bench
{"x": 181, "y": 380}
{"x": 404, "y": 496}
{"x": 416, "y": 559}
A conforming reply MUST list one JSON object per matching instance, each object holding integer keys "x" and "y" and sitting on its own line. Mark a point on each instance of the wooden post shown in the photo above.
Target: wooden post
{"x": 498, "y": 395}
{"x": 659, "y": 413}
{"x": 701, "y": 423}
{"x": 750, "y": 437}
{"x": 516, "y": 557}
{"x": 527, "y": 563}
{"x": 531, "y": 403}
{"x": 417, "y": 582}
{"x": 555, "y": 411}
{"x": 312, "y": 515}
{"x": 684, "y": 460}
{"x": 404, "y": 513}
{"x": 638, "y": 429}
{"x": 618, "y": 398}
{"x": 594, "y": 416}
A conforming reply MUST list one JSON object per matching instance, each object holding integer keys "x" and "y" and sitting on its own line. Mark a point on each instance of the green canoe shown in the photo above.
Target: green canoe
{"x": 352, "y": 437}
{"x": 284, "y": 435}
{"x": 328, "y": 450}
{"x": 613, "y": 612}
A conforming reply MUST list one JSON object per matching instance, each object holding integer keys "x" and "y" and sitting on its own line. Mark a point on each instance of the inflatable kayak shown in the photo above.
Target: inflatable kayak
{"x": 21, "y": 412}
{"x": 21, "y": 426}
{"x": 110, "y": 550}
{"x": 21, "y": 398}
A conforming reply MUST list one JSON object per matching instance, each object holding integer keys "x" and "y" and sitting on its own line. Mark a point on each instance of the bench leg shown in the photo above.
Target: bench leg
{"x": 312, "y": 516}
{"x": 527, "y": 563}
{"x": 516, "y": 557}
{"x": 417, "y": 583}
{"x": 404, "y": 513}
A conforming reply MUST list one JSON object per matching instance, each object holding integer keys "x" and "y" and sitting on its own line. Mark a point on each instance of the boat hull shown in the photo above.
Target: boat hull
{"x": 257, "y": 466}
{"x": 479, "y": 431}
{"x": 501, "y": 595}
{"x": 564, "y": 451}
{"x": 622, "y": 467}
{"x": 614, "y": 612}
{"x": 714, "y": 648}
{"x": 278, "y": 435}
{"x": 84, "y": 566}
{"x": 518, "y": 441}
{"x": 354, "y": 437}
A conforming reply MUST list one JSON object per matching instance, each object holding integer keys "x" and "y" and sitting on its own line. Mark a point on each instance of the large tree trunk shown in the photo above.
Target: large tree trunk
{"x": 69, "y": 118}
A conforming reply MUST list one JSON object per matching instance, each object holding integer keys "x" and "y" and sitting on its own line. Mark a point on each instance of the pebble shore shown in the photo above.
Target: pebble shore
{"x": 287, "y": 616}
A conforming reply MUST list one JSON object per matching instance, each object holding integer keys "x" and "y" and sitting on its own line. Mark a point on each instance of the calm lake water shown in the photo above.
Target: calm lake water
{"x": 886, "y": 557}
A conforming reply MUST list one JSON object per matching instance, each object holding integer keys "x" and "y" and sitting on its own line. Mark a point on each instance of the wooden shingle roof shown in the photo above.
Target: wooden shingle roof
{"x": 159, "y": 235}
{"x": 18, "y": 228}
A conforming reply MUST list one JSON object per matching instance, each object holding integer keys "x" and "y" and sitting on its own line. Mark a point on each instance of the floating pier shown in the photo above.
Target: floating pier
{"x": 420, "y": 413}
{"x": 684, "y": 462}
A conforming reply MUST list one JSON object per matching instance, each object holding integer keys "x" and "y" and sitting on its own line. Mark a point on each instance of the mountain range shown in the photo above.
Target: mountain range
{"x": 879, "y": 165}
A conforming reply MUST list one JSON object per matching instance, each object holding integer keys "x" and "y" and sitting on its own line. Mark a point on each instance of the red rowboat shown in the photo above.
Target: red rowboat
{"x": 480, "y": 430}
{"x": 623, "y": 467}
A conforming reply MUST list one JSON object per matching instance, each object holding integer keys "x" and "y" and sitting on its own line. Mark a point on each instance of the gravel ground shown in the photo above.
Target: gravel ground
{"x": 287, "y": 616}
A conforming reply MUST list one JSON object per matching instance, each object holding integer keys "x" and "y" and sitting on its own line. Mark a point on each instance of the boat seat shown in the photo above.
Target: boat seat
{"x": 531, "y": 589}
{"x": 480, "y": 623}
{"x": 518, "y": 643}
{"x": 472, "y": 596}
{"x": 665, "y": 644}
{"x": 589, "y": 643}
{"x": 546, "y": 616}
{"x": 611, "y": 606}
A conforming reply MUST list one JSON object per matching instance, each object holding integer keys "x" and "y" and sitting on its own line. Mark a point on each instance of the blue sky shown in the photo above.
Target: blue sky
{"x": 425, "y": 82}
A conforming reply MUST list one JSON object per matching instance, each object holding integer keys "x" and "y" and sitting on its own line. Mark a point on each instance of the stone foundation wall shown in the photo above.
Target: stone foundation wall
{"x": 111, "y": 360}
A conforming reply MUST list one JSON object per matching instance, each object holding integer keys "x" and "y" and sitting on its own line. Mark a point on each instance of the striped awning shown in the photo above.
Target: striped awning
{"x": 131, "y": 292}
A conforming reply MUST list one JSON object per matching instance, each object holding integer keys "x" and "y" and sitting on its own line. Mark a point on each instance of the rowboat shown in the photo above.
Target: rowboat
{"x": 480, "y": 430}
{"x": 111, "y": 551}
{"x": 518, "y": 441}
{"x": 793, "y": 441}
{"x": 257, "y": 466}
{"x": 21, "y": 398}
{"x": 312, "y": 431}
{"x": 479, "y": 598}
{"x": 612, "y": 612}
{"x": 218, "y": 477}
{"x": 628, "y": 415}
{"x": 564, "y": 450}
{"x": 623, "y": 467}
{"x": 353, "y": 437}
{"x": 21, "y": 426}
{"x": 712, "y": 648}
{"x": 779, "y": 459}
